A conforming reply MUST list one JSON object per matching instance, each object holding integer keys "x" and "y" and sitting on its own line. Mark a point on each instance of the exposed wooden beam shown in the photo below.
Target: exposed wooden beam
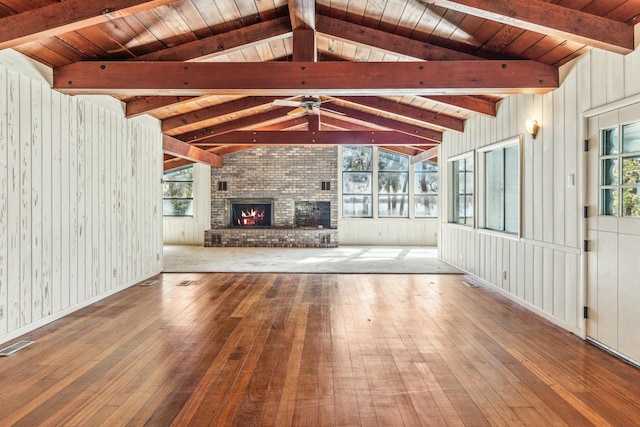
{"x": 388, "y": 42}
{"x": 175, "y": 162}
{"x": 309, "y": 78}
{"x": 471, "y": 103}
{"x": 232, "y": 125}
{"x": 395, "y": 125}
{"x": 222, "y": 44}
{"x": 407, "y": 111}
{"x": 214, "y": 111}
{"x": 286, "y": 124}
{"x": 344, "y": 122}
{"x": 302, "y": 13}
{"x": 304, "y": 45}
{"x": 314, "y": 122}
{"x": 230, "y": 149}
{"x": 426, "y": 155}
{"x": 548, "y": 18}
{"x": 147, "y": 104}
{"x": 64, "y": 16}
{"x": 267, "y": 137}
{"x": 402, "y": 149}
{"x": 177, "y": 148}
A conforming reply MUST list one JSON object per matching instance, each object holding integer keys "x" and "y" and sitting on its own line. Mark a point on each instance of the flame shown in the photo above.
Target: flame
{"x": 251, "y": 217}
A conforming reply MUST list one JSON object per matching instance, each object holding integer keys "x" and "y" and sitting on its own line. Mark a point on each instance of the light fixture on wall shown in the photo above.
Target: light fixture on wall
{"x": 532, "y": 127}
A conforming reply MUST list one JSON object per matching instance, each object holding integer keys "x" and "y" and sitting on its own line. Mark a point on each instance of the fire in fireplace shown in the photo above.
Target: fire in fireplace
{"x": 257, "y": 214}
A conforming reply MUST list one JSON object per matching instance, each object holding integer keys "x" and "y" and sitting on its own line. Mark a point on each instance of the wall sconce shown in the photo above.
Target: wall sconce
{"x": 532, "y": 127}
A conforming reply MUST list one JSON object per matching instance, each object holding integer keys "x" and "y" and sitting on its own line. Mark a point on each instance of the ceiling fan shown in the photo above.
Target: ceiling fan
{"x": 307, "y": 105}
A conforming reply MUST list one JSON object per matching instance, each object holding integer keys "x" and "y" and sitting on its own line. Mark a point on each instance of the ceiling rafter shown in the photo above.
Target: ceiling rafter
{"x": 388, "y": 42}
{"x": 65, "y": 16}
{"x": 414, "y": 113}
{"x": 312, "y": 78}
{"x": 470, "y": 103}
{"x": 230, "y": 126}
{"x": 147, "y": 104}
{"x": 398, "y": 126}
{"x": 224, "y": 109}
{"x": 222, "y": 44}
{"x": 551, "y": 19}
{"x": 177, "y": 148}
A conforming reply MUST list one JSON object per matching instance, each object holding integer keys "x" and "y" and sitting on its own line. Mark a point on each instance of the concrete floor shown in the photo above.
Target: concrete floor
{"x": 344, "y": 259}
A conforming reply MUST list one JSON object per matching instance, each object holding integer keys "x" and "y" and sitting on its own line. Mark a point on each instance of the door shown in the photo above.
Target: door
{"x": 613, "y": 231}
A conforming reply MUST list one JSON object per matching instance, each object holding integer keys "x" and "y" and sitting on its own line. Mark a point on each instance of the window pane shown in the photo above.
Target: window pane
{"x": 631, "y": 170}
{"x": 631, "y": 138}
{"x": 469, "y": 209}
{"x": 630, "y": 202}
{"x": 426, "y": 206}
{"x": 177, "y": 207}
{"x": 469, "y": 182}
{"x": 389, "y": 161}
{"x": 356, "y": 206}
{"x": 356, "y": 182}
{"x": 511, "y": 189}
{"x": 178, "y": 189}
{"x": 393, "y": 182}
{"x": 609, "y": 141}
{"x": 356, "y": 158}
{"x": 185, "y": 174}
{"x": 393, "y": 206}
{"x": 494, "y": 189}
{"x": 426, "y": 167}
{"x": 609, "y": 172}
{"x": 609, "y": 201}
{"x": 426, "y": 183}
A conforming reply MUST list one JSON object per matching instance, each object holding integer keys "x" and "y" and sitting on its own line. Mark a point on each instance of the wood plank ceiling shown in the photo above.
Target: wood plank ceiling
{"x": 395, "y": 73}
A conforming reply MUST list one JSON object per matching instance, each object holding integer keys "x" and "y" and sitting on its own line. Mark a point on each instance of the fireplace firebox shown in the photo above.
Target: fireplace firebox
{"x": 251, "y": 213}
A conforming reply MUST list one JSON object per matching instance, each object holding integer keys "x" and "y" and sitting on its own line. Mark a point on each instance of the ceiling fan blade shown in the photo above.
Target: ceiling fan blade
{"x": 286, "y": 102}
{"x": 297, "y": 111}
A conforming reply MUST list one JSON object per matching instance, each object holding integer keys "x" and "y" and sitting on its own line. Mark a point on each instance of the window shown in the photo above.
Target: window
{"x": 502, "y": 187}
{"x": 393, "y": 184}
{"x": 462, "y": 190}
{"x": 357, "y": 181}
{"x": 426, "y": 190}
{"x": 616, "y": 185}
{"x": 178, "y": 192}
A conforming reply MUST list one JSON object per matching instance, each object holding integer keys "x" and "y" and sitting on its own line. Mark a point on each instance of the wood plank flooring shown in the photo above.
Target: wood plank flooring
{"x": 312, "y": 350}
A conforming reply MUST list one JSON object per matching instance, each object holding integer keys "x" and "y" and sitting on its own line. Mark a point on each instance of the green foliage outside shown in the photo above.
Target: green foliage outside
{"x": 178, "y": 186}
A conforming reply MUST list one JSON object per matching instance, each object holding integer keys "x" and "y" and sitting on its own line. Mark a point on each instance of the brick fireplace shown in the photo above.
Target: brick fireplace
{"x": 288, "y": 194}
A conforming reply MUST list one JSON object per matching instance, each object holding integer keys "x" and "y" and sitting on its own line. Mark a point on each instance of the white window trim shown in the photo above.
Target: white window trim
{"x": 480, "y": 192}
{"x": 450, "y": 195}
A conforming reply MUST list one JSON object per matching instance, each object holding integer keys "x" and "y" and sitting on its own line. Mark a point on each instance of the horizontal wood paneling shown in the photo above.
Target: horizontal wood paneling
{"x": 80, "y": 207}
{"x": 190, "y": 231}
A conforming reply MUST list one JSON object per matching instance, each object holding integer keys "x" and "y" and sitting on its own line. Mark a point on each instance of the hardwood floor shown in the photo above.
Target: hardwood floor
{"x": 312, "y": 349}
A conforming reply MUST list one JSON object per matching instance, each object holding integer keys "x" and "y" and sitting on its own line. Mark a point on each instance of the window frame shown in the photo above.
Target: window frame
{"x": 398, "y": 172}
{"x": 482, "y": 191}
{"x": 417, "y": 194}
{"x": 454, "y": 194}
{"x": 353, "y": 172}
{"x": 193, "y": 191}
{"x": 619, "y": 187}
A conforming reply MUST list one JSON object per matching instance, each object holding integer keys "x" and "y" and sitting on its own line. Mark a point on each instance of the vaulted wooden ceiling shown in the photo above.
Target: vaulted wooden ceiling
{"x": 395, "y": 73}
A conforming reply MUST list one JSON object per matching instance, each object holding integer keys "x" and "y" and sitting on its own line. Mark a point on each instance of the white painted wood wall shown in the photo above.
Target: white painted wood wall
{"x": 544, "y": 268}
{"x": 80, "y": 199}
{"x": 190, "y": 230}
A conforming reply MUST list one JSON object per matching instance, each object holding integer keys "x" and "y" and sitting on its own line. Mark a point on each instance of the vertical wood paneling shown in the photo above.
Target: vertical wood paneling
{"x": 67, "y": 194}
{"x": 557, "y": 161}
{"x": 550, "y": 140}
{"x": 63, "y": 211}
{"x": 25, "y": 136}
{"x": 47, "y": 202}
{"x": 572, "y": 152}
{"x": 4, "y": 203}
{"x": 58, "y": 193}
{"x": 36, "y": 203}
{"x": 547, "y": 291}
{"x": 615, "y": 75}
